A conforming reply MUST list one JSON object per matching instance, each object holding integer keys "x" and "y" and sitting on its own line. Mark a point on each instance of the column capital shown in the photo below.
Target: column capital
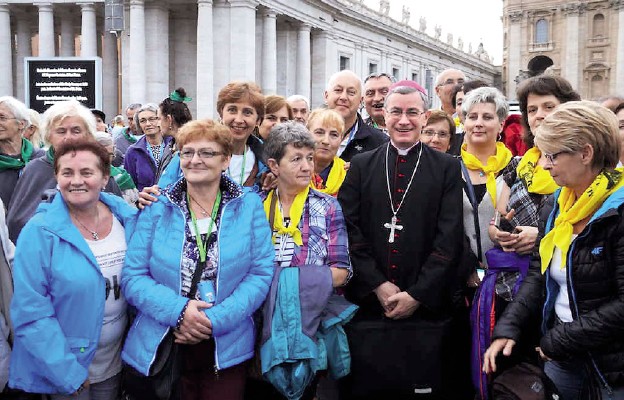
{"x": 269, "y": 13}
{"x": 86, "y": 6}
{"x": 617, "y": 4}
{"x": 303, "y": 26}
{"x": 4, "y": 6}
{"x": 244, "y": 3}
{"x": 204, "y": 3}
{"x": 45, "y": 6}
{"x": 574, "y": 9}
{"x": 515, "y": 16}
{"x": 137, "y": 3}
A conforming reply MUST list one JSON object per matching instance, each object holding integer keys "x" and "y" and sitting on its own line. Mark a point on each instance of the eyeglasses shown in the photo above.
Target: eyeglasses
{"x": 440, "y": 134}
{"x": 552, "y": 157}
{"x": 409, "y": 113}
{"x": 201, "y": 153}
{"x": 150, "y": 119}
{"x": 4, "y": 118}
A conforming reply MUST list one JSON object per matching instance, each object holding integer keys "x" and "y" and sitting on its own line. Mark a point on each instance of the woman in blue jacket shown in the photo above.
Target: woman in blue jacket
{"x": 68, "y": 313}
{"x": 204, "y": 220}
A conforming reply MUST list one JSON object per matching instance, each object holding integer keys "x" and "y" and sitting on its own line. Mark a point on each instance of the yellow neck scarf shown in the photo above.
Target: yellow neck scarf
{"x": 296, "y": 211}
{"x": 494, "y": 164}
{"x": 336, "y": 176}
{"x": 572, "y": 211}
{"x": 537, "y": 179}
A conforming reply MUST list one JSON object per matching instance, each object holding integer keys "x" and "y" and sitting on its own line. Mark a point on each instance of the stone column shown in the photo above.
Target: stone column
{"x": 6, "y": 53}
{"x": 23, "y": 49}
{"x": 243, "y": 38}
{"x": 136, "y": 67}
{"x": 269, "y": 52}
{"x": 110, "y": 72}
{"x": 304, "y": 72}
{"x": 67, "y": 34}
{"x": 221, "y": 44}
{"x": 513, "y": 53}
{"x": 46, "y": 30}
{"x": 619, "y": 65}
{"x": 88, "y": 36}
{"x": 570, "y": 63}
{"x": 205, "y": 60}
{"x": 156, "y": 52}
{"x": 324, "y": 59}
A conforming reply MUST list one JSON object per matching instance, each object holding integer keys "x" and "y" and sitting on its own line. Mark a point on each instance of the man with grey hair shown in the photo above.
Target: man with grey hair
{"x": 300, "y": 106}
{"x": 401, "y": 203}
{"x": 127, "y": 137}
{"x": 445, "y": 84}
{"x": 344, "y": 95}
{"x": 376, "y": 88}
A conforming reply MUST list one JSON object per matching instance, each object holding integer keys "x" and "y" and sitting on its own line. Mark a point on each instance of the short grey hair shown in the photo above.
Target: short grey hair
{"x": 290, "y": 132}
{"x": 147, "y": 107}
{"x": 103, "y": 138}
{"x": 17, "y": 108}
{"x": 64, "y": 109}
{"x": 133, "y": 106}
{"x": 441, "y": 75}
{"x": 408, "y": 90}
{"x": 298, "y": 97}
{"x": 486, "y": 95}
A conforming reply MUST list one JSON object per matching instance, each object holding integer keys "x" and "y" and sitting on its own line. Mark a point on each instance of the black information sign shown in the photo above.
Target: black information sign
{"x": 51, "y": 80}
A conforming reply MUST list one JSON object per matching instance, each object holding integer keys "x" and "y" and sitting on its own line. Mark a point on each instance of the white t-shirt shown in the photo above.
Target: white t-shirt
{"x": 110, "y": 254}
{"x": 236, "y": 166}
{"x": 562, "y": 303}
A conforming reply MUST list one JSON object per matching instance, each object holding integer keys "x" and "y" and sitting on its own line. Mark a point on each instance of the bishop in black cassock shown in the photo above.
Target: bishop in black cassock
{"x": 405, "y": 268}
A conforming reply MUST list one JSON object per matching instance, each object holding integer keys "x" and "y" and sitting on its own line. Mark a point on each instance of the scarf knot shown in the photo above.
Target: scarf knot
{"x": 493, "y": 166}
{"x": 296, "y": 212}
{"x": 536, "y": 179}
{"x": 336, "y": 176}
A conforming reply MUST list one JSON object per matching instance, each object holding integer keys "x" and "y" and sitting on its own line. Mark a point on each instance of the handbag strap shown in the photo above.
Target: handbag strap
{"x": 472, "y": 198}
{"x": 272, "y": 211}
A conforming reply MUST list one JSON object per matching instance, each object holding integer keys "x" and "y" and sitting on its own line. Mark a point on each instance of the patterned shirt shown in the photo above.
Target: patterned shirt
{"x": 190, "y": 252}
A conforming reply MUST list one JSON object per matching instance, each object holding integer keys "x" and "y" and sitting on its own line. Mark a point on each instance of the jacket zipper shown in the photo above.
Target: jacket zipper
{"x": 576, "y": 311}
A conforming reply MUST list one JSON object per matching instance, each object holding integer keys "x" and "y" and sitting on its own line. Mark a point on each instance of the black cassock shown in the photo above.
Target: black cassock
{"x": 401, "y": 357}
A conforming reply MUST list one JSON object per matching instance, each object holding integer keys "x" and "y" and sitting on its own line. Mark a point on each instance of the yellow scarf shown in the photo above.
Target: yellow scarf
{"x": 296, "y": 211}
{"x": 572, "y": 211}
{"x": 335, "y": 178}
{"x": 536, "y": 178}
{"x": 494, "y": 165}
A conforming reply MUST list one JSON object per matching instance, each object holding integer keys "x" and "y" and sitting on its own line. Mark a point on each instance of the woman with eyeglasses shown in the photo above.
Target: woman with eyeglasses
{"x": 63, "y": 121}
{"x": 439, "y": 132}
{"x": 575, "y": 282}
{"x": 214, "y": 274}
{"x": 143, "y": 158}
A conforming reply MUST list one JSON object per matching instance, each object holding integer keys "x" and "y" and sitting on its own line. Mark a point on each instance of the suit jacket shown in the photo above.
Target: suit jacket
{"x": 365, "y": 139}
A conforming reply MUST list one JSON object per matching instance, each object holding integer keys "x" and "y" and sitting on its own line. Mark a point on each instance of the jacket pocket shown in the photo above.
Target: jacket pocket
{"x": 78, "y": 346}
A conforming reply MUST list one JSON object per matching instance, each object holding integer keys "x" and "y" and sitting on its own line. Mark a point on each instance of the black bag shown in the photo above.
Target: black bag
{"x": 162, "y": 382}
{"x": 524, "y": 381}
{"x": 402, "y": 357}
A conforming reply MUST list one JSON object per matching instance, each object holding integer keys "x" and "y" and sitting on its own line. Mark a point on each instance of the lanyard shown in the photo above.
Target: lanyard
{"x": 242, "y": 174}
{"x": 201, "y": 246}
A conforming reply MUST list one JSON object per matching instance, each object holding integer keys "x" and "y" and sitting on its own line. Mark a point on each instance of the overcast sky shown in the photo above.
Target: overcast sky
{"x": 473, "y": 21}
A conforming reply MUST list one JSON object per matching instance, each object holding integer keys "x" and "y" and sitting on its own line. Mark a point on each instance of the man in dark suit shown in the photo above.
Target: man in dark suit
{"x": 402, "y": 207}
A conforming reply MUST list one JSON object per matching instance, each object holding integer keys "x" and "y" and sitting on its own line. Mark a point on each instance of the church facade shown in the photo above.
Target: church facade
{"x": 583, "y": 41}
{"x": 287, "y": 47}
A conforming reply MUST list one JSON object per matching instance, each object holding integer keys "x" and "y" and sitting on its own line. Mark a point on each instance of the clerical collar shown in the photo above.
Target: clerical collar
{"x": 403, "y": 152}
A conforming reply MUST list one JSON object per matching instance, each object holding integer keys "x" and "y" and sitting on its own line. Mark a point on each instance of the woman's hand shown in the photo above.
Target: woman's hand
{"x": 195, "y": 325}
{"x": 526, "y": 237}
{"x": 489, "y": 358}
{"x": 269, "y": 181}
{"x": 147, "y": 196}
{"x": 82, "y": 388}
{"x": 473, "y": 280}
{"x": 339, "y": 276}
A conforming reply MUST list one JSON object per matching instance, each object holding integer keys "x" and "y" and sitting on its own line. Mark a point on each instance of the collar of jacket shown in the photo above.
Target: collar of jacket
{"x": 59, "y": 223}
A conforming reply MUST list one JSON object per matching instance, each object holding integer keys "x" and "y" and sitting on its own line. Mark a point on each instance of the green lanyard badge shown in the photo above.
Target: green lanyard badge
{"x": 202, "y": 246}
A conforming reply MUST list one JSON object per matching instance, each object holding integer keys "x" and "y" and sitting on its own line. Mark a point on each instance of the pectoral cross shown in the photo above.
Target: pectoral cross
{"x": 392, "y": 226}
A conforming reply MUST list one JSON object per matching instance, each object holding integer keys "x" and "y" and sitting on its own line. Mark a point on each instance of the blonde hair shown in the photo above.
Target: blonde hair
{"x": 327, "y": 117}
{"x": 577, "y": 123}
{"x": 205, "y": 129}
{"x": 35, "y": 120}
{"x": 64, "y": 109}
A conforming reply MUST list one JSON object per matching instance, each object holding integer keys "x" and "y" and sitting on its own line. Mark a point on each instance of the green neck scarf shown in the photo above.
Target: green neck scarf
{"x": 8, "y": 162}
{"x": 50, "y": 155}
{"x": 123, "y": 179}
{"x": 128, "y": 136}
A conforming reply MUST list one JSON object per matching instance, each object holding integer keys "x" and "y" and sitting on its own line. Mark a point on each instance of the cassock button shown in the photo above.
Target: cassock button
{"x": 401, "y": 175}
{"x": 399, "y": 190}
{"x": 394, "y": 281}
{"x": 395, "y": 251}
{"x": 393, "y": 266}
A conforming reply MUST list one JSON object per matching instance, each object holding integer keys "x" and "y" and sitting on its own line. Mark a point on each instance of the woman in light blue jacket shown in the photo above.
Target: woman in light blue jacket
{"x": 68, "y": 314}
{"x": 206, "y": 221}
